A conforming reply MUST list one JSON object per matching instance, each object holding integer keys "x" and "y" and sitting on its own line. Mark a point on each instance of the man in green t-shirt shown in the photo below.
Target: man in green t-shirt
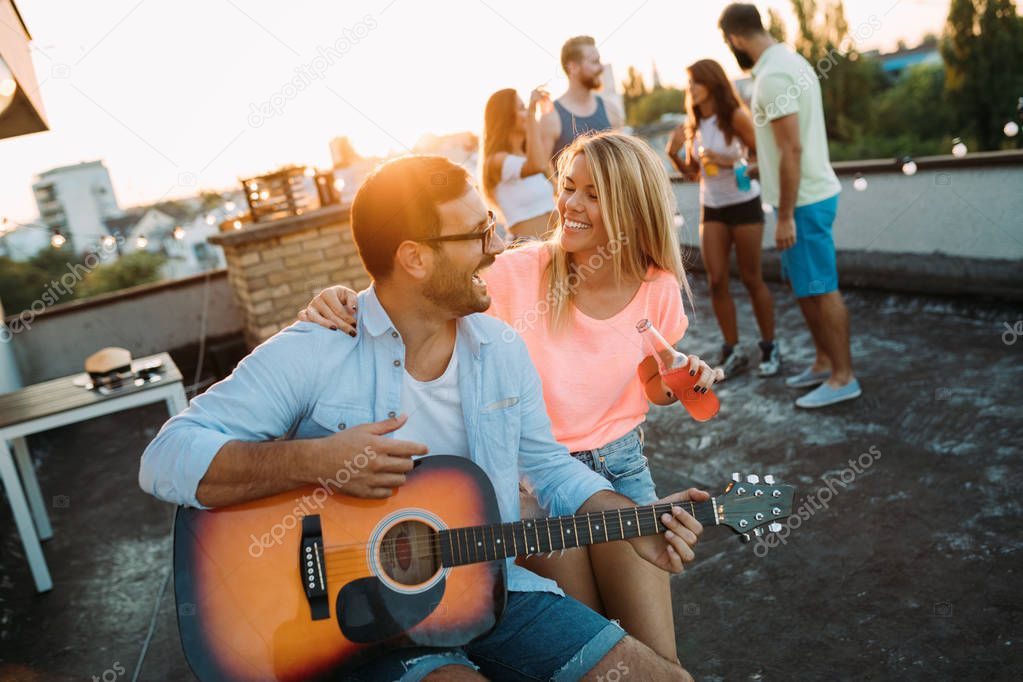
{"x": 797, "y": 179}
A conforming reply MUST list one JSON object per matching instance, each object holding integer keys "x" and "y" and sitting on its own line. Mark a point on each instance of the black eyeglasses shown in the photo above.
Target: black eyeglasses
{"x": 486, "y": 235}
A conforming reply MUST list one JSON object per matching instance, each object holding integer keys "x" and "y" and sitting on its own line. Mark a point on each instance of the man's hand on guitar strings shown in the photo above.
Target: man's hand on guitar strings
{"x": 672, "y": 550}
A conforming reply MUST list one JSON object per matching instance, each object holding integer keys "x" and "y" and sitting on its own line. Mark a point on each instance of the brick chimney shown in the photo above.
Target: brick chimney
{"x": 275, "y": 267}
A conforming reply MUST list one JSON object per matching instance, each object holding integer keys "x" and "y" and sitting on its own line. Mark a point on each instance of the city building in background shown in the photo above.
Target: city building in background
{"x": 76, "y": 201}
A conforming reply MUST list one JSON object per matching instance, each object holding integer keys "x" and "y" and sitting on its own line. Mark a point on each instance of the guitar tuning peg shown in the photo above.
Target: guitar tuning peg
{"x": 769, "y": 479}
{"x": 744, "y": 538}
{"x": 759, "y": 532}
{"x": 774, "y": 526}
{"x": 752, "y": 478}
{"x": 736, "y": 477}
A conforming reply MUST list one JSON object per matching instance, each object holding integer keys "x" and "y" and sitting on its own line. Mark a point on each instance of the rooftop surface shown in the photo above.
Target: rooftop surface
{"x": 908, "y": 569}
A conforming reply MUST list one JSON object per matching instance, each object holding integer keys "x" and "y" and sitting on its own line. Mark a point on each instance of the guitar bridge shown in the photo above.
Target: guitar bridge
{"x": 311, "y": 565}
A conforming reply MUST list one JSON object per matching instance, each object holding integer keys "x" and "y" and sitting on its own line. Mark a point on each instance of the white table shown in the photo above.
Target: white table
{"x": 46, "y": 406}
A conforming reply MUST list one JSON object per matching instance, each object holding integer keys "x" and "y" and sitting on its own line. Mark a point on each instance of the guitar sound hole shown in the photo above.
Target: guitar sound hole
{"x": 408, "y": 553}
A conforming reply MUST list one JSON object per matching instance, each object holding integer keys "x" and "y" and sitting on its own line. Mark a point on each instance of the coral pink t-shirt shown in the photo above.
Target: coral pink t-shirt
{"x": 588, "y": 370}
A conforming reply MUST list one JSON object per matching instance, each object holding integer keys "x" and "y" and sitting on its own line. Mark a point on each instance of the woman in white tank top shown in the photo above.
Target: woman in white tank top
{"x": 716, "y": 139}
{"x": 512, "y": 164}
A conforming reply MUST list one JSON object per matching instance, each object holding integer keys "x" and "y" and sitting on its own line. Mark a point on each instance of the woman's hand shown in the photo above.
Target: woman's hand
{"x": 334, "y": 307}
{"x": 708, "y": 375}
{"x": 676, "y": 141}
{"x": 720, "y": 160}
{"x": 539, "y": 101}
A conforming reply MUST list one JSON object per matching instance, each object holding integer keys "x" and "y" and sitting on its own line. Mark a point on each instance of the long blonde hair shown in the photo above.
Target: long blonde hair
{"x": 637, "y": 207}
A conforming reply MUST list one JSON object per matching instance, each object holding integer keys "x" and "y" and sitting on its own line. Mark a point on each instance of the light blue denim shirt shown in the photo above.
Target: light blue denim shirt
{"x": 325, "y": 381}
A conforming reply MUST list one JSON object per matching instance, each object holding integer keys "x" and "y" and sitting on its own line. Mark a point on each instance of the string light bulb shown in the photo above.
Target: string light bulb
{"x": 908, "y": 165}
{"x": 958, "y": 148}
{"x": 58, "y": 240}
{"x": 178, "y": 233}
{"x": 860, "y": 183}
{"x": 1011, "y": 129}
{"x": 142, "y": 242}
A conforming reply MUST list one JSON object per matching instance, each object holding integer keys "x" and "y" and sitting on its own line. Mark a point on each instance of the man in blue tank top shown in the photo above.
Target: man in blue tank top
{"x": 580, "y": 109}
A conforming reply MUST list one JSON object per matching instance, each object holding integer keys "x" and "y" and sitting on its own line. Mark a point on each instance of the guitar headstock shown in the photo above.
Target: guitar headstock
{"x": 749, "y": 505}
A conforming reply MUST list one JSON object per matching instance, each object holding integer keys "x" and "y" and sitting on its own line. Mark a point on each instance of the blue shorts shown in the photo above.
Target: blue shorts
{"x": 541, "y": 636}
{"x": 622, "y": 463}
{"x": 810, "y": 264}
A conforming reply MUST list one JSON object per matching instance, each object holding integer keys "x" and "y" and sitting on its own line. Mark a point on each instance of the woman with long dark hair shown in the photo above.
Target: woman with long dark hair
{"x": 714, "y": 144}
{"x": 512, "y": 164}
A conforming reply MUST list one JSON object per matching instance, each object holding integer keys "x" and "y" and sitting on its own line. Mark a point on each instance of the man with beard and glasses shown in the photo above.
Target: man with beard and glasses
{"x": 429, "y": 367}
{"x": 797, "y": 179}
{"x": 580, "y": 109}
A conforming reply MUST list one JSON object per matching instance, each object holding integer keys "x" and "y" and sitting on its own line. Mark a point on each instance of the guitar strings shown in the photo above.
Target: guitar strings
{"x": 483, "y": 529}
{"x": 343, "y": 564}
{"x": 435, "y": 539}
{"x": 659, "y": 509}
{"x": 341, "y": 559}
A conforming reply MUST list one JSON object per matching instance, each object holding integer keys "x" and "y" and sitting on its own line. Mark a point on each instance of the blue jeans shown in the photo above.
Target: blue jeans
{"x": 622, "y": 463}
{"x": 541, "y": 636}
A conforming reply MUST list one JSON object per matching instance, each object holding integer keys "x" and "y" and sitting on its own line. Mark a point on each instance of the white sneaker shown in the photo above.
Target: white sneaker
{"x": 772, "y": 365}
{"x": 735, "y": 363}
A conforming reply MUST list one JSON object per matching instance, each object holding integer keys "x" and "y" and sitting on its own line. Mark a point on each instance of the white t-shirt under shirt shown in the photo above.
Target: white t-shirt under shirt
{"x": 718, "y": 191}
{"x": 434, "y": 410}
{"x": 522, "y": 198}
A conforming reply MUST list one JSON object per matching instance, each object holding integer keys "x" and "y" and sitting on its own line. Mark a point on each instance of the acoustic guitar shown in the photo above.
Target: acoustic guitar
{"x": 307, "y": 584}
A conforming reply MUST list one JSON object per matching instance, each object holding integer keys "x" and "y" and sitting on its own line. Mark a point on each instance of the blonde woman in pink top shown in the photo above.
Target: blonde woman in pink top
{"x": 614, "y": 259}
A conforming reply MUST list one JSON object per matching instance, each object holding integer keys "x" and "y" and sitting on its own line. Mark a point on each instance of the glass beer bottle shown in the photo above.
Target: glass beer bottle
{"x": 674, "y": 369}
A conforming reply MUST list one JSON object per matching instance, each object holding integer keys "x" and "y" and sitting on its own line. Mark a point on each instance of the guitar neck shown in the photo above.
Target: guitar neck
{"x": 474, "y": 544}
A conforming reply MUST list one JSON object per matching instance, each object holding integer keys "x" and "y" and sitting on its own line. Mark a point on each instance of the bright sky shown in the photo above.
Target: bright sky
{"x": 166, "y": 92}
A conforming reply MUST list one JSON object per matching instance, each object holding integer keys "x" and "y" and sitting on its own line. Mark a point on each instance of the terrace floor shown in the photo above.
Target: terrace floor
{"x": 911, "y": 571}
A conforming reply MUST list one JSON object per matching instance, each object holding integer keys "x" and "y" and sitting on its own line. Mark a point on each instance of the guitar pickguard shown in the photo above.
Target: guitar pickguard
{"x": 368, "y": 611}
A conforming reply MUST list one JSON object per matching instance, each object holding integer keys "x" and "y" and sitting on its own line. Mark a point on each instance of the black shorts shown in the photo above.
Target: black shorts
{"x": 751, "y": 211}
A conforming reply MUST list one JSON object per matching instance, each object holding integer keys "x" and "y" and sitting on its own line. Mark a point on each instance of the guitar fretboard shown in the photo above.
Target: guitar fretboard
{"x": 473, "y": 544}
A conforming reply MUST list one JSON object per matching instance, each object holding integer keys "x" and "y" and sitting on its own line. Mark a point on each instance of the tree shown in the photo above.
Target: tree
{"x": 633, "y": 88}
{"x": 847, "y": 80}
{"x": 651, "y": 106}
{"x": 136, "y": 268}
{"x": 21, "y": 283}
{"x": 983, "y": 51}
{"x": 775, "y": 25}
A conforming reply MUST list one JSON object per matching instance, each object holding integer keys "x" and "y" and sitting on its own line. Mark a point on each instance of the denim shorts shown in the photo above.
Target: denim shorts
{"x": 541, "y": 636}
{"x": 810, "y": 264}
{"x": 622, "y": 463}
